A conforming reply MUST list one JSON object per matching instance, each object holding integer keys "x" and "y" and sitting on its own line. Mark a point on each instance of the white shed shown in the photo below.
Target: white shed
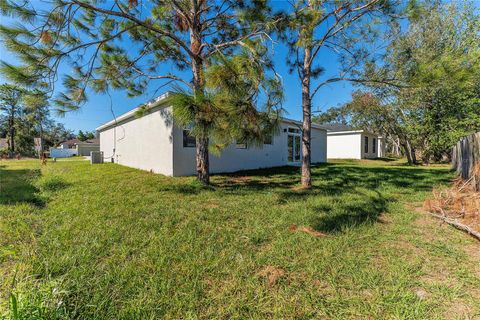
{"x": 347, "y": 143}
{"x": 153, "y": 142}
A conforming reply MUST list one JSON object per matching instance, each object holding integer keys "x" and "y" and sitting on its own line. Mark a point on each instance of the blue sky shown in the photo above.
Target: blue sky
{"x": 97, "y": 110}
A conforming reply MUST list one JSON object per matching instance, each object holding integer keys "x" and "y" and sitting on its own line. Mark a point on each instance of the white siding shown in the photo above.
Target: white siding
{"x": 344, "y": 146}
{"x": 143, "y": 143}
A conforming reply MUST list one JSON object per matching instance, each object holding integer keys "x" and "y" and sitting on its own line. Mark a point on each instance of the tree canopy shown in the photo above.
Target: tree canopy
{"x": 435, "y": 62}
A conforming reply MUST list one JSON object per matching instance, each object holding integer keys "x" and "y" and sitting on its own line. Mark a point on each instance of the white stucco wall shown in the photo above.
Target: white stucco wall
{"x": 370, "y": 154}
{"x": 153, "y": 142}
{"x": 344, "y": 146}
{"x": 232, "y": 159}
{"x": 319, "y": 146}
{"x": 144, "y": 143}
{"x": 351, "y": 145}
{"x": 381, "y": 147}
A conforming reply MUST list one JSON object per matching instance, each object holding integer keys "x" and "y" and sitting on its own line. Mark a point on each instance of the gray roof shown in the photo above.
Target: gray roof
{"x": 90, "y": 141}
{"x": 336, "y": 127}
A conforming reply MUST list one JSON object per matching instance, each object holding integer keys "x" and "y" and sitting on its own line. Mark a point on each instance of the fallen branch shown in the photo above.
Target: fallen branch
{"x": 457, "y": 225}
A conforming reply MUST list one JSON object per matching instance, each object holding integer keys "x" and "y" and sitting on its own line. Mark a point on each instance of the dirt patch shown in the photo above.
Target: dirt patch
{"x": 271, "y": 274}
{"x": 308, "y": 230}
{"x": 383, "y": 219}
{"x": 460, "y": 310}
{"x": 421, "y": 293}
{"x": 211, "y": 205}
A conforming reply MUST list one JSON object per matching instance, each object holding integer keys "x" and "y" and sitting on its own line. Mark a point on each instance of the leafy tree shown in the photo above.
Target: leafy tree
{"x": 81, "y": 136}
{"x": 343, "y": 27}
{"x": 244, "y": 100}
{"x": 84, "y": 136}
{"x": 436, "y": 61}
{"x": 11, "y": 105}
{"x": 127, "y": 45}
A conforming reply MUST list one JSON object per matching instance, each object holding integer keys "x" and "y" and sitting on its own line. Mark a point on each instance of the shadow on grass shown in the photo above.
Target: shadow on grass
{"x": 363, "y": 209}
{"x": 369, "y": 190}
{"x": 16, "y": 186}
{"x": 331, "y": 179}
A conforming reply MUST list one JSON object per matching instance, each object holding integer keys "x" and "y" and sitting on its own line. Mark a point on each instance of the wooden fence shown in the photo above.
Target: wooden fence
{"x": 466, "y": 159}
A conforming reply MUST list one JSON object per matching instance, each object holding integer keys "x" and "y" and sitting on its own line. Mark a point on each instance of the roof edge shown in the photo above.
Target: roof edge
{"x": 164, "y": 98}
{"x": 130, "y": 114}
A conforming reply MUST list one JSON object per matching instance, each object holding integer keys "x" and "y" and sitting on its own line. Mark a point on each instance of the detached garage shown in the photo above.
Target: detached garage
{"x": 344, "y": 142}
{"x": 155, "y": 143}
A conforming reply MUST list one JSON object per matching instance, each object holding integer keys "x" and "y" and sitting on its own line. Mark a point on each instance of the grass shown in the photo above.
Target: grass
{"x": 110, "y": 242}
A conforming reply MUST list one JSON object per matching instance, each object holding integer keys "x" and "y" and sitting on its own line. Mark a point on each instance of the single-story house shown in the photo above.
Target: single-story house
{"x": 75, "y": 147}
{"x": 85, "y": 147}
{"x": 68, "y": 144}
{"x": 345, "y": 142}
{"x": 153, "y": 142}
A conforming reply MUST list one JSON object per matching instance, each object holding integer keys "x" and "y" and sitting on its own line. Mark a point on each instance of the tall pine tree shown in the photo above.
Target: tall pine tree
{"x": 342, "y": 27}
{"x": 127, "y": 44}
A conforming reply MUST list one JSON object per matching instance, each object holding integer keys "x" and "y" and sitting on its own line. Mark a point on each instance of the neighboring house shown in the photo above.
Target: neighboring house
{"x": 153, "y": 142}
{"x": 85, "y": 147}
{"x": 344, "y": 142}
{"x": 69, "y": 144}
{"x": 75, "y": 147}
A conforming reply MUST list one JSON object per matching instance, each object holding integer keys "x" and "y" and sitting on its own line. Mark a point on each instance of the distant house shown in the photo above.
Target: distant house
{"x": 74, "y": 147}
{"x": 345, "y": 142}
{"x": 154, "y": 142}
{"x": 68, "y": 144}
{"x": 85, "y": 147}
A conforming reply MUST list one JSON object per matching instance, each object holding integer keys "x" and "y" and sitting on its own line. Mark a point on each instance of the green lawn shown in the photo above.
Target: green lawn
{"x": 110, "y": 242}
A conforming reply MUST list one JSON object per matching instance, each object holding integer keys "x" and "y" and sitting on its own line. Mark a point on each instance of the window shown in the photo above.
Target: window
{"x": 241, "y": 144}
{"x": 188, "y": 140}
{"x": 365, "y": 147}
{"x": 268, "y": 139}
{"x": 374, "y": 145}
{"x": 293, "y": 130}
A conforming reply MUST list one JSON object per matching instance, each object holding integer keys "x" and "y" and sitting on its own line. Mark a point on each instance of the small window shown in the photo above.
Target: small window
{"x": 366, "y": 145}
{"x": 188, "y": 140}
{"x": 374, "y": 145}
{"x": 293, "y": 130}
{"x": 241, "y": 145}
{"x": 268, "y": 139}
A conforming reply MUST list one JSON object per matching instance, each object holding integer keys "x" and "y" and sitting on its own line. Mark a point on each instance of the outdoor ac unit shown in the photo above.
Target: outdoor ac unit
{"x": 96, "y": 157}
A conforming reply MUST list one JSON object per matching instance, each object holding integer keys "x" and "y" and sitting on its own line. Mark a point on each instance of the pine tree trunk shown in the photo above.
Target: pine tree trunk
{"x": 201, "y": 155}
{"x": 307, "y": 121}
{"x": 11, "y": 124}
